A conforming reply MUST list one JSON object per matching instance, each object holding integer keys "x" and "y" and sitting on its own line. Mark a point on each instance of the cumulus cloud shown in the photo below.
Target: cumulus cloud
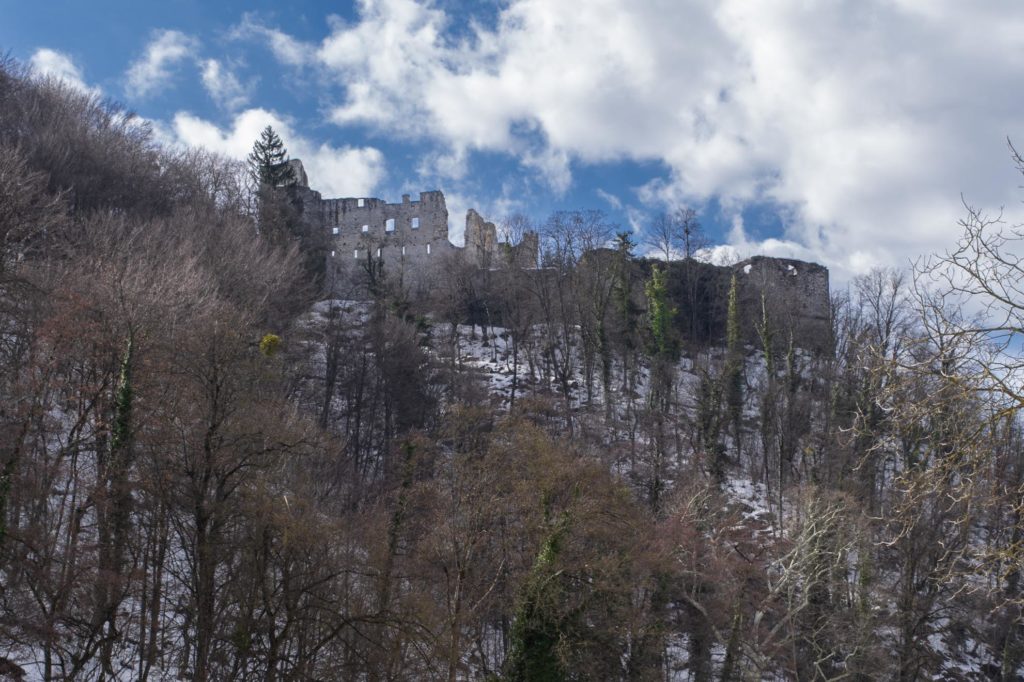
{"x": 335, "y": 171}
{"x": 154, "y": 69}
{"x": 862, "y": 120}
{"x": 53, "y": 64}
{"x": 740, "y": 247}
{"x": 223, "y": 85}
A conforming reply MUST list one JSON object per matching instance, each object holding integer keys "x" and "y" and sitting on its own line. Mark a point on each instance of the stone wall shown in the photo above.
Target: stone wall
{"x": 481, "y": 239}
{"x": 796, "y": 295}
{"x": 410, "y": 238}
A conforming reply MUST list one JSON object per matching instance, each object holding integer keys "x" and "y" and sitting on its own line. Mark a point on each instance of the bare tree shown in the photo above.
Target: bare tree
{"x": 983, "y": 275}
{"x": 676, "y": 234}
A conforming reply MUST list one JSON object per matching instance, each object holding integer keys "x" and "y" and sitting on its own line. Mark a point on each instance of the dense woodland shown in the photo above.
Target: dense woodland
{"x": 211, "y": 473}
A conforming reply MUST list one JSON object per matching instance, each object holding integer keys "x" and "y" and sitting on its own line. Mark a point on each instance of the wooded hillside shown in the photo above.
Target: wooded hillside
{"x": 209, "y": 473}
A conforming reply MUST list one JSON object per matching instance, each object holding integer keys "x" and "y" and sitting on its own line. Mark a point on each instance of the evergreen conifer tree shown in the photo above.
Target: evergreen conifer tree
{"x": 268, "y": 162}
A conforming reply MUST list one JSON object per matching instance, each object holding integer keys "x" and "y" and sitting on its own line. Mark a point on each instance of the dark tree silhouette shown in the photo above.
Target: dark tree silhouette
{"x": 268, "y": 161}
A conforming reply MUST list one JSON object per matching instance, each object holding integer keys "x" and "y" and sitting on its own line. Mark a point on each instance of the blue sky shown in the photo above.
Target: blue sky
{"x": 842, "y": 132}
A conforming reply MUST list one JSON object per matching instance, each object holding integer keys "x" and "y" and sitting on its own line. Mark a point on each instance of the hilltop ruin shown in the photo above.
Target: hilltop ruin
{"x": 410, "y": 241}
{"x": 410, "y": 238}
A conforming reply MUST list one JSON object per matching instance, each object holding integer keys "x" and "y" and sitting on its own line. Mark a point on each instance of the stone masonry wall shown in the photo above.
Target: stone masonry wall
{"x": 796, "y": 294}
{"x": 411, "y": 237}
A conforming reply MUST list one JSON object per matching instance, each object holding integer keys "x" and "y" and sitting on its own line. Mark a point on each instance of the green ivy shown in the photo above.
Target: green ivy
{"x": 269, "y": 344}
{"x": 660, "y": 312}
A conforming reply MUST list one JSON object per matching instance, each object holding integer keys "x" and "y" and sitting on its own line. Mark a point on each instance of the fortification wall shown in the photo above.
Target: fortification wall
{"x": 796, "y": 295}
{"x": 409, "y": 235}
{"x": 410, "y": 238}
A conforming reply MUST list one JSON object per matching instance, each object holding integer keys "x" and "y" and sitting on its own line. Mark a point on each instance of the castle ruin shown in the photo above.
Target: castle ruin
{"x": 409, "y": 238}
{"x": 410, "y": 241}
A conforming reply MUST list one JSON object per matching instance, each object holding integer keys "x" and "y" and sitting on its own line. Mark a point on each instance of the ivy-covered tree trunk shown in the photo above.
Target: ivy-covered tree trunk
{"x": 734, "y": 369}
{"x": 117, "y": 505}
{"x": 536, "y": 630}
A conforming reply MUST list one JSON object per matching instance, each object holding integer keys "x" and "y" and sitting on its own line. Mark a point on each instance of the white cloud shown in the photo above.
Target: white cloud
{"x": 451, "y": 164}
{"x": 553, "y": 165}
{"x": 287, "y": 49}
{"x": 740, "y": 247}
{"x": 223, "y": 85}
{"x": 637, "y": 219}
{"x": 863, "y": 120}
{"x": 53, "y": 64}
{"x": 153, "y": 70}
{"x": 334, "y": 171}
{"x": 610, "y": 198}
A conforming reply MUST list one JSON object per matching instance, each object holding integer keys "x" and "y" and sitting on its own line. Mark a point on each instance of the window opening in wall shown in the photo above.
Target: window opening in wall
{"x": 378, "y": 253}
{"x": 403, "y": 250}
{"x": 356, "y": 253}
{"x": 366, "y": 228}
{"x": 415, "y": 223}
{"x": 428, "y": 248}
{"x": 389, "y": 225}
{"x": 360, "y": 202}
{"x": 336, "y": 230}
{"x": 332, "y": 254}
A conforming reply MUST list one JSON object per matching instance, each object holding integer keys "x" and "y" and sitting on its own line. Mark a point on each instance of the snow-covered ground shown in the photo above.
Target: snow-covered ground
{"x": 488, "y": 354}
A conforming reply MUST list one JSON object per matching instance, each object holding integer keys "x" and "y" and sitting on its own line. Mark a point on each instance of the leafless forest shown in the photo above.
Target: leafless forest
{"x": 211, "y": 473}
